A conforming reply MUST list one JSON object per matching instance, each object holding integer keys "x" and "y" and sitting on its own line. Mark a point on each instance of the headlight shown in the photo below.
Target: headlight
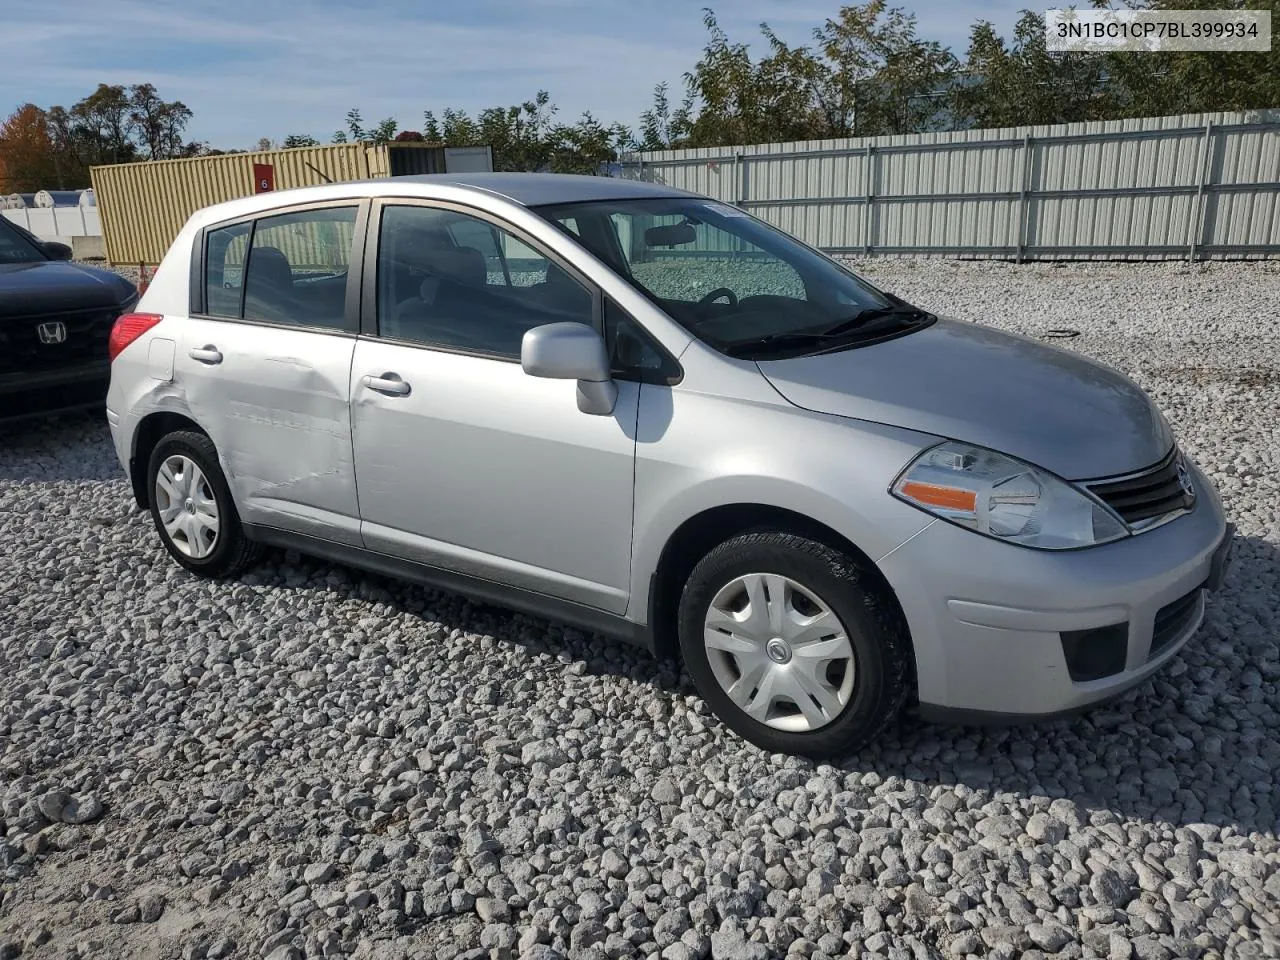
{"x": 1004, "y": 498}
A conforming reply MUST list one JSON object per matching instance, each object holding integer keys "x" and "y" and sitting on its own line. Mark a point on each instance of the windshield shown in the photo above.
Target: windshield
{"x": 15, "y": 248}
{"x": 733, "y": 281}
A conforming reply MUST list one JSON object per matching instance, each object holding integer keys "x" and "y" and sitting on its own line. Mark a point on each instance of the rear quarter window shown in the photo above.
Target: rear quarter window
{"x": 225, "y": 252}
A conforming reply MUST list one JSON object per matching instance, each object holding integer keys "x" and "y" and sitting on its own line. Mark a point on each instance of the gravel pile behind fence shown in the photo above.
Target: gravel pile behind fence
{"x": 314, "y": 762}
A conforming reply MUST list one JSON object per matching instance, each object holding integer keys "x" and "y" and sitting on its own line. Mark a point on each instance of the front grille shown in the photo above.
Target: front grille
{"x": 1146, "y": 496}
{"x": 1174, "y": 618}
{"x": 86, "y": 335}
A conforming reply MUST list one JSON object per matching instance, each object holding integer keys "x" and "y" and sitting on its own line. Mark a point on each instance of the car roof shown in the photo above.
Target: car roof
{"x": 526, "y": 189}
{"x": 539, "y": 189}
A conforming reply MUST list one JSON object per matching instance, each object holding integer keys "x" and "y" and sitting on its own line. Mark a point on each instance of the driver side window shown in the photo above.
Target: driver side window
{"x": 448, "y": 279}
{"x": 713, "y": 259}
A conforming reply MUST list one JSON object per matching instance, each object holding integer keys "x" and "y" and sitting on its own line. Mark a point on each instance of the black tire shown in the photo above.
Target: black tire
{"x": 232, "y": 551}
{"x": 878, "y": 636}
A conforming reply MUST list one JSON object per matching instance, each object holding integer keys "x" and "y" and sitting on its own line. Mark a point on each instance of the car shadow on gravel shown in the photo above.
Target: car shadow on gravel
{"x": 65, "y": 447}
{"x": 1193, "y": 745}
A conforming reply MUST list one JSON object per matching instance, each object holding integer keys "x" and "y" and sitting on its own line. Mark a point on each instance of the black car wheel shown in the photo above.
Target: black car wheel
{"x": 793, "y": 645}
{"x": 192, "y": 508}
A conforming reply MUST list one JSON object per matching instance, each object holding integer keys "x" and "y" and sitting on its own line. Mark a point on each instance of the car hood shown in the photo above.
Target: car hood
{"x": 50, "y": 286}
{"x": 963, "y": 381}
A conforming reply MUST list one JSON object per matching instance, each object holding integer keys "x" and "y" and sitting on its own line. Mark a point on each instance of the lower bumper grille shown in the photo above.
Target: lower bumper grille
{"x": 88, "y": 391}
{"x": 1173, "y": 619}
{"x": 1097, "y": 653}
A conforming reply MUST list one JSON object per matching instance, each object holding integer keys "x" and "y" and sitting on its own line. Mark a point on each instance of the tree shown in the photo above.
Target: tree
{"x": 27, "y": 162}
{"x": 662, "y": 128}
{"x": 105, "y": 119}
{"x": 115, "y": 124}
{"x": 158, "y": 124}
{"x": 382, "y": 132}
{"x": 1024, "y": 83}
{"x": 867, "y": 74}
{"x": 520, "y": 135}
{"x": 874, "y": 75}
{"x": 587, "y": 146}
{"x": 300, "y": 140}
{"x": 745, "y": 102}
{"x": 409, "y": 136}
{"x": 1193, "y": 81}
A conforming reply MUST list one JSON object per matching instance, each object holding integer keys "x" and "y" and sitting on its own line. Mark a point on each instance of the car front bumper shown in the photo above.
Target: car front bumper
{"x": 79, "y": 387}
{"x": 988, "y": 619}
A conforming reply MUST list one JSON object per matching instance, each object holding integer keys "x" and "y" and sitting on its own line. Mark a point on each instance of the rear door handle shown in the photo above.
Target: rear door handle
{"x": 207, "y": 354}
{"x": 388, "y": 383}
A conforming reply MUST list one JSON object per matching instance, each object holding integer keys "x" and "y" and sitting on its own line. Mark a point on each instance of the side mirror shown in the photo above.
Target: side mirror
{"x": 572, "y": 351}
{"x": 56, "y": 250}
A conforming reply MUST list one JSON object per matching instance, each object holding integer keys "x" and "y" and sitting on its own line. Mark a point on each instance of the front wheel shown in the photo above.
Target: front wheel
{"x": 192, "y": 508}
{"x": 793, "y": 645}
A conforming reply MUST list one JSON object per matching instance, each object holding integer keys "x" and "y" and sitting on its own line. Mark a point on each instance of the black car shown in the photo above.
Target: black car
{"x": 55, "y": 320}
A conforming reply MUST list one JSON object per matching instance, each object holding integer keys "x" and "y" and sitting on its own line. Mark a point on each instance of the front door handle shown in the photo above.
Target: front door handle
{"x": 388, "y": 383}
{"x": 206, "y": 354}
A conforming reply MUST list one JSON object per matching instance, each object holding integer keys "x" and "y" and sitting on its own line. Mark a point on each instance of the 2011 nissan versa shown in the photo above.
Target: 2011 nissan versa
{"x": 654, "y": 416}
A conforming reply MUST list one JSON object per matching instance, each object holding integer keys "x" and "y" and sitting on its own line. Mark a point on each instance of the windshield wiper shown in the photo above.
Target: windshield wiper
{"x": 863, "y": 317}
{"x": 840, "y": 331}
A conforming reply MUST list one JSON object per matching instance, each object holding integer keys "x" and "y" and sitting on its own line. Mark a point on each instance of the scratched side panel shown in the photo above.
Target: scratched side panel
{"x": 277, "y": 409}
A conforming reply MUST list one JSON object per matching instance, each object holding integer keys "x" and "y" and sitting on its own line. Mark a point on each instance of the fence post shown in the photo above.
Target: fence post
{"x": 1023, "y": 198}
{"x": 1196, "y": 214}
{"x": 739, "y": 180}
{"x": 869, "y": 241}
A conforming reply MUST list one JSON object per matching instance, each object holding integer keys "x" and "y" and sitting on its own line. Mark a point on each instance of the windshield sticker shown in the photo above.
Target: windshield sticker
{"x": 725, "y": 210}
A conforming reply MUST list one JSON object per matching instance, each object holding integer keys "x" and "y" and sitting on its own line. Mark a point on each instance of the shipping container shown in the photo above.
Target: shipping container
{"x": 144, "y": 205}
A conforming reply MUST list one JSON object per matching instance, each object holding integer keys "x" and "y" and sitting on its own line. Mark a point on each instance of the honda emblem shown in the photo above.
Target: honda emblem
{"x": 54, "y": 331}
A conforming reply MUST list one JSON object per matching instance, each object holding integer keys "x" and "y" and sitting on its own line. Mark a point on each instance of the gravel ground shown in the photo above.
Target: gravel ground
{"x": 314, "y": 762}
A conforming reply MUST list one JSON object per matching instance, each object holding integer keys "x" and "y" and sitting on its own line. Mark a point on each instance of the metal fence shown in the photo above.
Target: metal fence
{"x": 1188, "y": 187}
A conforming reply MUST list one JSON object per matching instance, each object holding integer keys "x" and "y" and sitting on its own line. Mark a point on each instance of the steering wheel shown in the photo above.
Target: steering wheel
{"x": 719, "y": 292}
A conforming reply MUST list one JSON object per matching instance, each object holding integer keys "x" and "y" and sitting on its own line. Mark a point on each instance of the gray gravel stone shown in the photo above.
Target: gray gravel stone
{"x": 1110, "y": 889}
{"x": 354, "y": 763}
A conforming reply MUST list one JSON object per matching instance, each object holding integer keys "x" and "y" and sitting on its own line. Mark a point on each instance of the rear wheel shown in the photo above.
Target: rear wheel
{"x": 192, "y": 508}
{"x": 793, "y": 645}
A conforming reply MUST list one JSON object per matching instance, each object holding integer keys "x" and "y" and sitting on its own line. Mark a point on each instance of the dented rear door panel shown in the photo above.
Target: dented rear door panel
{"x": 277, "y": 407}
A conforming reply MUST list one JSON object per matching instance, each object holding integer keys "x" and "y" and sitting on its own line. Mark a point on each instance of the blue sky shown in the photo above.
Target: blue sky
{"x": 255, "y": 68}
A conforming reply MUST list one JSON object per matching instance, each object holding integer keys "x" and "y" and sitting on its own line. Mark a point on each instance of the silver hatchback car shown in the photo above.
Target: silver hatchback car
{"x": 656, "y": 417}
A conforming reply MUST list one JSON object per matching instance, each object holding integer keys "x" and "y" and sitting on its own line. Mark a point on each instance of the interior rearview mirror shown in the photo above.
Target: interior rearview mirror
{"x": 572, "y": 351}
{"x": 670, "y": 236}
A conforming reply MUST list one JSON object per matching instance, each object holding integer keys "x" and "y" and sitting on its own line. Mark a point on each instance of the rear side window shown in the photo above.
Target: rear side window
{"x": 225, "y": 251}
{"x": 289, "y": 269}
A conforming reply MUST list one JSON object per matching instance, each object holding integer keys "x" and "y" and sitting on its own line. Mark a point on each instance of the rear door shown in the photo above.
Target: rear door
{"x": 265, "y": 364}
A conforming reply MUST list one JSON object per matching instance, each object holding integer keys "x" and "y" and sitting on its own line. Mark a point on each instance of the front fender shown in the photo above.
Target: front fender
{"x": 697, "y": 452}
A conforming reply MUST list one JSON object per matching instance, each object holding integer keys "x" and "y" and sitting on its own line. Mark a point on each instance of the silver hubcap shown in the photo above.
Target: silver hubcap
{"x": 188, "y": 511}
{"x": 779, "y": 652}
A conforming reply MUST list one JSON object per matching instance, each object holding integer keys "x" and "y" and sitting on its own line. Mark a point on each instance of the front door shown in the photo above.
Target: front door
{"x": 265, "y": 367}
{"x": 462, "y": 460}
